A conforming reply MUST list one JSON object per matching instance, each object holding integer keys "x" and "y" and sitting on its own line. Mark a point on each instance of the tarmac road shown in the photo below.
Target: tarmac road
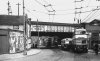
{"x": 59, "y": 55}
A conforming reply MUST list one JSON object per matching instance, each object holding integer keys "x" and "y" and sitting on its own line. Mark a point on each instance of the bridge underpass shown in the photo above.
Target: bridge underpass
{"x": 54, "y": 31}
{"x": 61, "y": 35}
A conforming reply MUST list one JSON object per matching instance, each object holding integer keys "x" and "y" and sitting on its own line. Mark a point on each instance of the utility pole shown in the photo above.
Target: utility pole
{"x": 9, "y": 8}
{"x": 78, "y": 9}
{"x": 24, "y": 29}
{"x": 29, "y": 28}
{"x": 18, "y": 8}
{"x": 38, "y": 29}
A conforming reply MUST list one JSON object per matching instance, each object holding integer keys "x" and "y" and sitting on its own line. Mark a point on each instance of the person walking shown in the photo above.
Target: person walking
{"x": 96, "y": 48}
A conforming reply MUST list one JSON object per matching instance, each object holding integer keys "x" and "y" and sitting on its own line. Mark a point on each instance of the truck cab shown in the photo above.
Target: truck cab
{"x": 79, "y": 42}
{"x": 65, "y": 43}
{"x": 80, "y": 45}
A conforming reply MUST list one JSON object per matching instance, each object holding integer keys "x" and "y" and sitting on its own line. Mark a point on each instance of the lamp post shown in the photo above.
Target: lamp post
{"x": 24, "y": 29}
{"x": 37, "y": 26}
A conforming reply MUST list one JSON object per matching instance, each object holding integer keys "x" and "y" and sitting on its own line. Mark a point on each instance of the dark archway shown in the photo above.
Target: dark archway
{"x": 61, "y": 35}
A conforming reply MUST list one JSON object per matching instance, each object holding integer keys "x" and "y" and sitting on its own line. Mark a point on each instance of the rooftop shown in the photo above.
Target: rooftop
{"x": 11, "y": 20}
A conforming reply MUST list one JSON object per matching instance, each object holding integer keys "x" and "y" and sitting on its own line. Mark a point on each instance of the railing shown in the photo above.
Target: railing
{"x": 48, "y": 28}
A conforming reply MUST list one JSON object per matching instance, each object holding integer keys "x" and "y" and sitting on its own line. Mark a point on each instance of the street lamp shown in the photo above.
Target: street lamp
{"x": 37, "y": 28}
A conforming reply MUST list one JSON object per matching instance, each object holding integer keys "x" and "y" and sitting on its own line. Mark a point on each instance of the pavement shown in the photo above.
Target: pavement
{"x": 91, "y": 51}
{"x": 19, "y": 55}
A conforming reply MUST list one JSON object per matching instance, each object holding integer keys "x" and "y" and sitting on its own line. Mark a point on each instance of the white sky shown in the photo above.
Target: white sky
{"x": 64, "y": 9}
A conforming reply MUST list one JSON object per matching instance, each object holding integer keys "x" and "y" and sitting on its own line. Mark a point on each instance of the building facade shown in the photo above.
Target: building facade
{"x": 12, "y": 32}
{"x": 93, "y": 29}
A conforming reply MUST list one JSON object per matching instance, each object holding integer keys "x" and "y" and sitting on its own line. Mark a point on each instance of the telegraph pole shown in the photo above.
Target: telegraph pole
{"x": 24, "y": 29}
{"x": 37, "y": 28}
{"x": 78, "y": 9}
{"x": 18, "y": 8}
{"x": 8, "y": 7}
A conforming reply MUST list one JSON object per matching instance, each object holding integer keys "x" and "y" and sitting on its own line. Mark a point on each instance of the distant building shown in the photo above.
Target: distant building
{"x": 93, "y": 28}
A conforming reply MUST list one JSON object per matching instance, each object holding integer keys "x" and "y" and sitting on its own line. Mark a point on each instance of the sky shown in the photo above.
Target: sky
{"x": 64, "y": 10}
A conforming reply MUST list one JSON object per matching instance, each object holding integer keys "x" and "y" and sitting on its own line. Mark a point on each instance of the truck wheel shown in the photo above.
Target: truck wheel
{"x": 62, "y": 48}
{"x": 67, "y": 49}
{"x": 75, "y": 50}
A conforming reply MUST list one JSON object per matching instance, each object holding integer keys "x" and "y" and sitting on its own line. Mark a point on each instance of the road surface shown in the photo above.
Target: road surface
{"x": 58, "y": 55}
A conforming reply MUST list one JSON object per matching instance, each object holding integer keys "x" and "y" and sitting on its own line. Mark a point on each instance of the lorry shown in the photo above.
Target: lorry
{"x": 65, "y": 43}
{"x": 80, "y": 41}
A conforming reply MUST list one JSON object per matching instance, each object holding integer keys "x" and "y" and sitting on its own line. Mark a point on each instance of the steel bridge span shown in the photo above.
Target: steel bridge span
{"x": 62, "y": 30}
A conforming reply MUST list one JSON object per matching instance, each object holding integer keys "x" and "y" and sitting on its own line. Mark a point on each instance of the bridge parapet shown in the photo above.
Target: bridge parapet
{"x": 48, "y": 28}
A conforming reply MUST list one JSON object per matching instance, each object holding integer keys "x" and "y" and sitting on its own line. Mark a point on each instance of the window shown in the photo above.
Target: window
{"x": 83, "y": 32}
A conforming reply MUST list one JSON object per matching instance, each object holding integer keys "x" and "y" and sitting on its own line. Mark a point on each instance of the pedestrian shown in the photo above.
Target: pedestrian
{"x": 96, "y": 48}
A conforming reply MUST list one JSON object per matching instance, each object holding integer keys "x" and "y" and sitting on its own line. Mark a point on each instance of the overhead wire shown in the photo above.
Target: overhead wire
{"x": 39, "y": 3}
{"x": 88, "y": 11}
{"x": 40, "y": 11}
{"x": 91, "y": 11}
{"x": 76, "y": 8}
{"x": 82, "y": 8}
{"x": 94, "y": 15}
{"x": 51, "y": 11}
{"x": 65, "y": 10}
{"x": 97, "y": 15}
{"x": 91, "y": 16}
{"x": 97, "y": 10}
{"x": 50, "y": 5}
{"x": 79, "y": 12}
{"x": 87, "y": 16}
{"x": 46, "y": 7}
{"x": 68, "y": 13}
{"x": 42, "y": 5}
{"x": 31, "y": 13}
{"x": 37, "y": 17}
{"x": 71, "y": 9}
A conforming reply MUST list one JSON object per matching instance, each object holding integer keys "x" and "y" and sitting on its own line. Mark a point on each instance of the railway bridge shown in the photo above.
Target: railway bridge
{"x": 61, "y": 30}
